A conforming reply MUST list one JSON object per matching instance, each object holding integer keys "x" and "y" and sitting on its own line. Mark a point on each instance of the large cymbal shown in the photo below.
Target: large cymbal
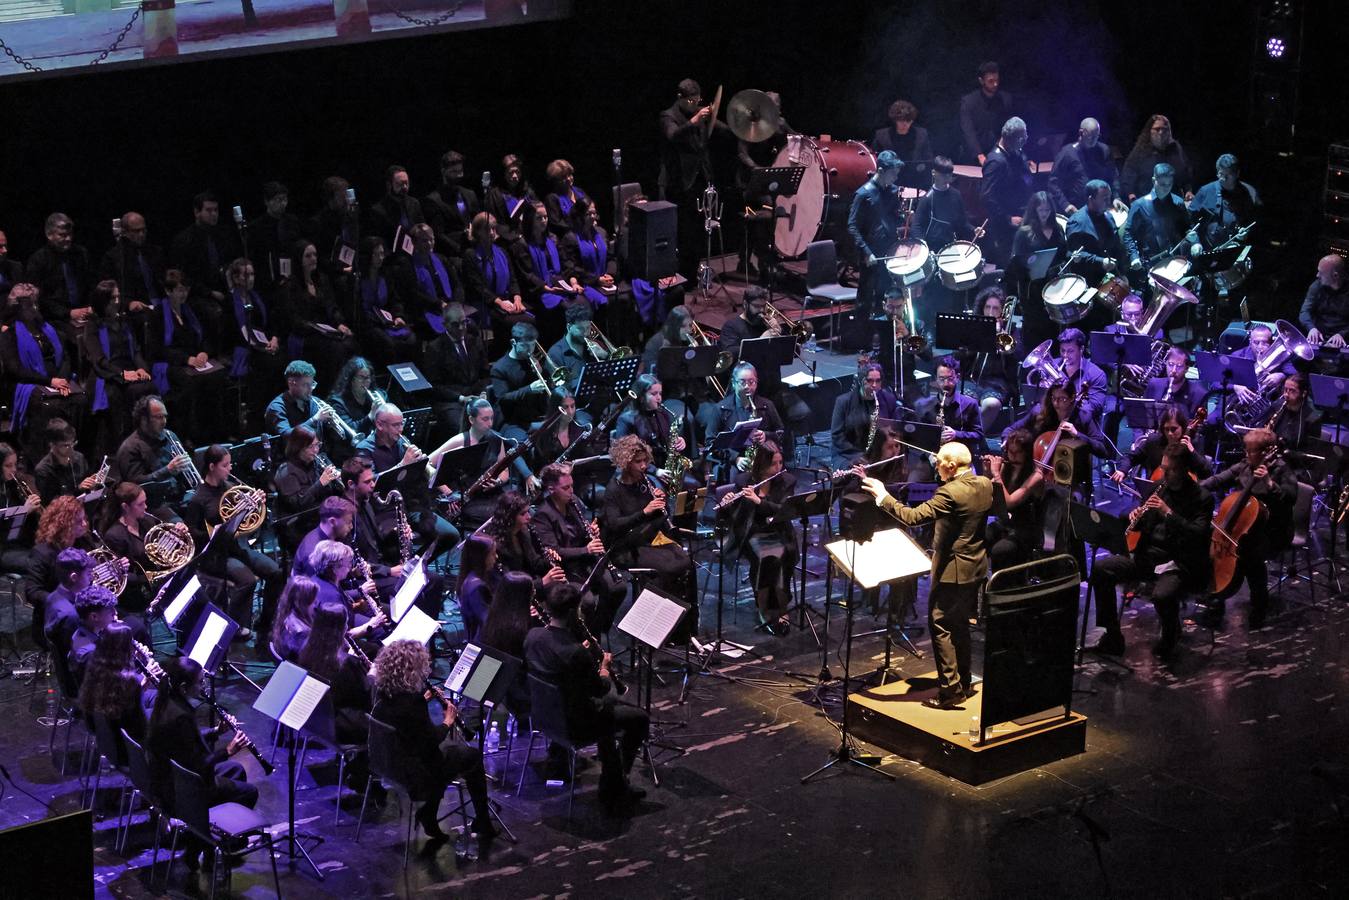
{"x": 753, "y": 116}
{"x": 1184, "y": 295}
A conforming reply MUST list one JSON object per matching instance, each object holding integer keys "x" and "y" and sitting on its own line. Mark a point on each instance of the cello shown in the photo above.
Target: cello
{"x": 1238, "y": 513}
{"x": 1042, "y": 451}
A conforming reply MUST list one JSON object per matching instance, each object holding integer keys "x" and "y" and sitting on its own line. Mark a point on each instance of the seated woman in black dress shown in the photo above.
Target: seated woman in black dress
{"x": 177, "y": 352}
{"x": 325, "y": 654}
{"x": 121, "y": 374}
{"x": 124, "y": 532}
{"x": 294, "y": 616}
{"x": 508, "y": 621}
{"x": 387, "y": 336}
{"x": 431, "y": 754}
{"x": 303, "y": 481}
{"x": 550, "y": 444}
{"x": 516, "y": 548}
{"x": 256, "y": 355}
{"x": 763, "y": 534}
{"x": 38, "y": 363}
{"x": 114, "y": 688}
{"x": 17, "y": 489}
{"x": 1018, "y": 534}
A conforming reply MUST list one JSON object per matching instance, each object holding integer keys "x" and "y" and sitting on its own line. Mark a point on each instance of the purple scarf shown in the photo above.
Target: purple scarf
{"x": 100, "y": 385}
{"x": 424, "y": 275}
{"x": 547, "y": 265}
{"x": 30, "y": 354}
{"x": 495, "y": 269}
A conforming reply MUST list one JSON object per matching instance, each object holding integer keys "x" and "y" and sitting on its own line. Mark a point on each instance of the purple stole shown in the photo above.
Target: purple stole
{"x": 547, "y": 265}
{"x": 424, "y": 275}
{"x": 239, "y": 363}
{"x": 565, "y": 203}
{"x": 595, "y": 258}
{"x": 30, "y": 354}
{"x": 100, "y": 386}
{"x": 495, "y": 269}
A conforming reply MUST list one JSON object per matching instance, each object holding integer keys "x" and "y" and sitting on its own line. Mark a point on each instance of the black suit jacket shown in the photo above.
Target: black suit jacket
{"x": 1154, "y": 228}
{"x": 387, "y": 214}
{"x": 851, "y": 421}
{"x": 555, "y": 655}
{"x": 442, "y": 210}
{"x": 1005, "y": 188}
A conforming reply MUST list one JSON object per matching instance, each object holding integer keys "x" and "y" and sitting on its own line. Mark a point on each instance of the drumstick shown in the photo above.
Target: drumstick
{"x": 970, "y": 249}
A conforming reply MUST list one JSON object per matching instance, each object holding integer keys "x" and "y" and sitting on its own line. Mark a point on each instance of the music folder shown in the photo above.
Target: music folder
{"x": 11, "y": 521}
{"x": 460, "y": 466}
{"x": 408, "y": 377}
{"x": 737, "y": 438}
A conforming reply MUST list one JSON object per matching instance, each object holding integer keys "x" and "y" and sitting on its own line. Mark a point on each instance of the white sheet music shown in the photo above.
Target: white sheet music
{"x": 651, "y": 618}
{"x": 888, "y": 555}
{"x": 408, "y": 592}
{"x": 462, "y": 666}
{"x": 301, "y": 706}
{"x": 180, "y": 602}
{"x": 208, "y": 638}
{"x": 415, "y": 626}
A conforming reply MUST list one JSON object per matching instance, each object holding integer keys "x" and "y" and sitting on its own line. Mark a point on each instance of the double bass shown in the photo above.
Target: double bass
{"x": 1238, "y": 513}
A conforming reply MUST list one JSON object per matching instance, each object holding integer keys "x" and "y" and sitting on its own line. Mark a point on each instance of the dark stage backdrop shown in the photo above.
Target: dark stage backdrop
{"x": 98, "y": 143}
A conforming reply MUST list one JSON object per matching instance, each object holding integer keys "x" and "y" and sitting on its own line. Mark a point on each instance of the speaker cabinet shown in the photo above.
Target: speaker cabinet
{"x": 652, "y": 248}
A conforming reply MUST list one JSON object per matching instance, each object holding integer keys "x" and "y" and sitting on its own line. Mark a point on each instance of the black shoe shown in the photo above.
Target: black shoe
{"x": 1111, "y": 644}
{"x": 1166, "y": 647}
{"x": 426, "y": 818}
{"x": 944, "y": 701}
{"x": 482, "y": 827}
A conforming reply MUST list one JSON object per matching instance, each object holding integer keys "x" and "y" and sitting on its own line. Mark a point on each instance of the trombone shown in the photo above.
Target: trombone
{"x": 601, "y": 347}
{"x": 540, "y": 361}
{"x": 779, "y": 323}
{"x": 699, "y": 338}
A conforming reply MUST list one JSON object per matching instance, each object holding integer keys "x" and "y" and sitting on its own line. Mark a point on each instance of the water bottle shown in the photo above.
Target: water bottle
{"x": 493, "y": 739}
{"x": 511, "y": 726}
{"x": 814, "y": 534}
{"x": 810, "y": 346}
{"x": 974, "y": 729}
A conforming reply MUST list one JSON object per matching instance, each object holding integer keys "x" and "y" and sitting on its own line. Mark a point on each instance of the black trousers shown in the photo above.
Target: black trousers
{"x": 622, "y": 729}
{"x": 457, "y": 760}
{"x": 673, "y": 574}
{"x": 772, "y": 560}
{"x": 1167, "y": 590}
{"x": 950, "y": 606}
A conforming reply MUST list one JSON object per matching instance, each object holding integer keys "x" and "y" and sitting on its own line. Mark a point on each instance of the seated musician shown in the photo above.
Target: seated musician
{"x": 760, "y": 529}
{"x": 1093, "y": 236}
{"x": 508, "y": 623}
{"x": 478, "y": 579}
{"x": 1157, "y": 225}
{"x": 456, "y": 366}
{"x": 1018, "y": 535}
{"x": 324, "y": 654}
{"x": 1146, "y": 455}
{"x": 59, "y": 620}
{"x": 957, "y": 414}
{"x": 677, "y": 331}
{"x": 1273, "y": 483}
{"x": 386, "y": 448}
{"x": 1295, "y": 420}
{"x": 120, "y": 374}
{"x": 561, "y": 526}
{"x": 173, "y": 735}
{"x": 637, "y": 529}
{"x": 113, "y": 687}
{"x": 648, "y": 418}
{"x": 518, "y": 385}
{"x": 230, "y": 557}
{"x": 538, "y": 265}
{"x": 177, "y": 342}
{"x": 434, "y": 755}
{"x": 517, "y": 548}
{"x": 490, "y": 279}
{"x": 38, "y": 362}
{"x": 1259, "y": 340}
{"x": 995, "y": 375}
{"x": 97, "y": 608}
{"x": 589, "y": 699}
{"x": 336, "y": 518}
{"x": 565, "y": 436}
{"x": 1324, "y": 315}
{"x": 1173, "y": 387}
{"x": 351, "y": 399}
{"x": 1131, "y": 321}
{"x": 294, "y": 616}
{"x": 427, "y": 282}
{"x": 302, "y": 483}
{"x": 381, "y": 546}
{"x": 573, "y": 350}
{"x": 852, "y": 425}
{"x": 313, "y": 317}
{"x": 741, "y": 404}
{"x": 1173, "y": 553}
{"x": 298, "y": 406}
{"x": 387, "y": 334}
{"x": 61, "y": 527}
{"x": 17, "y": 490}
{"x": 751, "y": 323}
{"x": 1082, "y": 373}
{"x": 901, "y": 339}
{"x": 1060, "y": 411}
{"x": 472, "y": 511}
{"x": 256, "y": 355}
{"x": 337, "y": 581}
{"x": 152, "y": 454}
{"x": 124, "y": 532}
{"x": 62, "y": 472}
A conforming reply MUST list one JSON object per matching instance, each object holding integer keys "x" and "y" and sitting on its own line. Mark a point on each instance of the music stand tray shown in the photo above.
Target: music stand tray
{"x": 922, "y": 434}
{"x": 687, "y": 363}
{"x": 977, "y": 333}
{"x": 1225, "y": 369}
{"x": 463, "y": 464}
{"x": 776, "y": 181}
{"x": 605, "y": 378}
{"x": 737, "y": 438}
{"x": 403, "y": 477}
{"x": 1141, "y": 413}
{"x": 1098, "y": 529}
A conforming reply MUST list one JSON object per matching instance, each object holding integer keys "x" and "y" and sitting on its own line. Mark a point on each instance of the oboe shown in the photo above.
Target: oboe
{"x": 593, "y": 528}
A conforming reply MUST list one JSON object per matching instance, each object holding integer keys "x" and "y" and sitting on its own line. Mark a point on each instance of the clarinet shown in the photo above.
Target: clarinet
{"x": 594, "y": 529}
{"x": 367, "y": 574}
{"x": 248, "y": 744}
{"x": 354, "y": 646}
{"x": 143, "y": 658}
{"x": 439, "y": 696}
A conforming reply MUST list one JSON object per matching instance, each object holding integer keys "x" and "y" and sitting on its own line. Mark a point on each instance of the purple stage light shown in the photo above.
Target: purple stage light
{"x": 1275, "y": 47}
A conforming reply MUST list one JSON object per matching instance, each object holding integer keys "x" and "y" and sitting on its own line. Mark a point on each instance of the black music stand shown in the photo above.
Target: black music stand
{"x": 460, "y": 465}
{"x": 209, "y": 642}
{"x": 1227, "y": 370}
{"x": 1095, "y": 529}
{"x": 1332, "y": 392}
{"x": 959, "y": 331}
{"x": 291, "y": 698}
{"x": 650, "y": 620}
{"x": 485, "y": 680}
{"x": 686, "y": 363}
{"x": 416, "y": 423}
{"x": 816, "y": 500}
{"x": 1119, "y": 349}
{"x": 1142, "y": 413}
{"x": 403, "y": 477}
{"x": 408, "y": 377}
{"x": 924, "y": 435}
{"x": 769, "y": 354}
{"x": 602, "y": 379}
{"x": 253, "y": 458}
{"x": 771, "y": 182}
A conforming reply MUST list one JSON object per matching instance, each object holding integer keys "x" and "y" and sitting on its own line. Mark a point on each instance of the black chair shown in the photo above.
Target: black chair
{"x": 138, "y": 769}
{"x": 548, "y": 716}
{"x": 109, "y": 749}
{"x": 229, "y": 828}
{"x": 391, "y": 769}
{"x": 822, "y": 282}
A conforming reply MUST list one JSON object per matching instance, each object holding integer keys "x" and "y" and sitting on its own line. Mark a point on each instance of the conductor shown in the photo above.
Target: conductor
{"x": 959, "y": 565}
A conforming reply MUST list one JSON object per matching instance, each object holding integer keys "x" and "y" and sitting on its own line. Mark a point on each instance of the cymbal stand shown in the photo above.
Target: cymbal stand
{"x": 710, "y": 206}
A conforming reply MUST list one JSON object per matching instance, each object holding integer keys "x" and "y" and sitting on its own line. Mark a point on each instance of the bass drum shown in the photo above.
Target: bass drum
{"x": 834, "y": 170}
{"x": 912, "y": 262}
{"x": 1067, "y": 299}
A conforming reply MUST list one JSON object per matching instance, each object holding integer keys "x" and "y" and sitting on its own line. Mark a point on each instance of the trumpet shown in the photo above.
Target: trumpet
{"x": 340, "y": 423}
{"x": 377, "y": 399}
{"x": 601, "y": 347}
{"x": 540, "y": 362}
{"x": 781, "y": 325}
{"x": 189, "y": 472}
{"x": 699, "y": 338}
{"x": 101, "y": 476}
{"x": 326, "y": 464}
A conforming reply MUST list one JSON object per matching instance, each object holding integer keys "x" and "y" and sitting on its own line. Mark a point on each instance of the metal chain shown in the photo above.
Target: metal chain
{"x": 438, "y": 20}
{"x": 126, "y": 29}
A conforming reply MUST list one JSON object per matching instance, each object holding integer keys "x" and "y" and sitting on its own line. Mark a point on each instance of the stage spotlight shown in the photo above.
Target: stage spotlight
{"x": 1275, "y": 47}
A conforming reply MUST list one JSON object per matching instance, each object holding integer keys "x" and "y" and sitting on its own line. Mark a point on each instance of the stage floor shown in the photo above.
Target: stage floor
{"x": 1218, "y": 775}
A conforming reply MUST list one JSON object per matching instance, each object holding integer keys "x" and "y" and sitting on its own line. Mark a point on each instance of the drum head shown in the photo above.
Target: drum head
{"x": 959, "y": 257}
{"x": 805, "y": 209}
{"x": 909, "y": 257}
{"x": 1064, "y": 290}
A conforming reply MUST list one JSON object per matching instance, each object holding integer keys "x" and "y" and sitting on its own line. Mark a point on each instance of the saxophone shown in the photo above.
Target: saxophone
{"x": 676, "y": 463}
{"x": 401, "y": 524}
{"x": 753, "y": 448}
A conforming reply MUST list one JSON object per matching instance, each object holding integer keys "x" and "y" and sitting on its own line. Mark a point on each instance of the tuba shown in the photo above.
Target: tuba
{"x": 1039, "y": 360}
{"x": 1163, "y": 304}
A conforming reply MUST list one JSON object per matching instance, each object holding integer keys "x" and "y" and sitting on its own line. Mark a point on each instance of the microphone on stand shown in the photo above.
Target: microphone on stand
{"x": 486, "y": 182}
{"x": 116, "y": 228}
{"x": 239, "y": 217}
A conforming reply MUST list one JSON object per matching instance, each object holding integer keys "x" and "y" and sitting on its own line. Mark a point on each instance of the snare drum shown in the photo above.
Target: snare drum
{"x": 1112, "y": 290}
{"x": 960, "y": 263}
{"x": 912, "y": 262}
{"x": 1173, "y": 268}
{"x": 1067, "y": 299}
{"x": 1230, "y": 279}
